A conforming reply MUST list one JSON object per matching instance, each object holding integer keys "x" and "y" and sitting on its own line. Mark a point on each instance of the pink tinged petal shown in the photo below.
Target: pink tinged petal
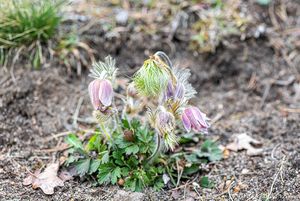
{"x": 201, "y": 117}
{"x": 105, "y": 93}
{"x": 93, "y": 92}
{"x": 191, "y": 116}
{"x": 186, "y": 122}
{"x": 179, "y": 92}
{"x": 170, "y": 90}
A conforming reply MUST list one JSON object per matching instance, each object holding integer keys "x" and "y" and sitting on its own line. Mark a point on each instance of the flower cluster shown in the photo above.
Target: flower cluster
{"x": 157, "y": 86}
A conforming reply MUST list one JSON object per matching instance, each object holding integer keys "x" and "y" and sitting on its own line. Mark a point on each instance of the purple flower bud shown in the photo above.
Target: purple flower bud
{"x": 170, "y": 90}
{"x": 193, "y": 118}
{"x": 174, "y": 92}
{"x": 165, "y": 122}
{"x": 101, "y": 93}
{"x": 179, "y": 91}
{"x": 106, "y": 93}
{"x": 94, "y": 93}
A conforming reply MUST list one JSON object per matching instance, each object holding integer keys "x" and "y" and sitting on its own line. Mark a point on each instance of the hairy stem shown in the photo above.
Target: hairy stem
{"x": 157, "y": 150}
{"x": 104, "y": 131}
{"x": 165, "y": 58}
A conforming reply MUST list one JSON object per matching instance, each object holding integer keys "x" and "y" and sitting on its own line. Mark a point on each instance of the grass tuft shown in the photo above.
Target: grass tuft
{"x": 25, "y": 25}
{"x": 23, "y": 22}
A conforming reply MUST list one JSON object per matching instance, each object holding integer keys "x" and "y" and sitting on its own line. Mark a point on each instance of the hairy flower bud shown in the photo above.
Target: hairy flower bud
{"x": 131, "y": 91}
{"x": 152, "y": 78}
{"x": 165, "y": 124}
{"x": 106, "y": 93}
{"x": 193, "y": 118}
{"x": 179, "y": 91}
{"x": 174, "y": 92}
{"x": 102, "y": 116}
{"x": 101, "y": 93}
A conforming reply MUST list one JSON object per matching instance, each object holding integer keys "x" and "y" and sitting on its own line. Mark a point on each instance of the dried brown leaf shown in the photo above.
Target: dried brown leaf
{"x": 244, "y": 141}
{"x": 47, "y": 180}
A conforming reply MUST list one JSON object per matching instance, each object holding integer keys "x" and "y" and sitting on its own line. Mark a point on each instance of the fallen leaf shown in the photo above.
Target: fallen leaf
{"x": 47, "y": 180}
{"x": 244, "y": 141}
{"x": 31, "y": 177}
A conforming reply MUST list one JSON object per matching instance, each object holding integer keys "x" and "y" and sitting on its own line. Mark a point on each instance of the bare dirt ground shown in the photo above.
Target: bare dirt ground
{"x": 245, "y": 88}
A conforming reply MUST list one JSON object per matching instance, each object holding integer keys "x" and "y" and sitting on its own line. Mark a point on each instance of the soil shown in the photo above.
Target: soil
{"x": 247, "y": 87}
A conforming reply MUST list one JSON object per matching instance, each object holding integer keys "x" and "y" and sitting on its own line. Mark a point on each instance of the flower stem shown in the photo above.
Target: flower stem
{"x": 165, "y": 58}
{"x": 104, "y": 131}
{"x": 157, "y": 150}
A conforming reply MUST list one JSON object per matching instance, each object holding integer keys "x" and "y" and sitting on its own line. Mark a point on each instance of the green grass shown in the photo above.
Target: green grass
{"x": 25, "y": 25}
{"x": 23, "y": 22}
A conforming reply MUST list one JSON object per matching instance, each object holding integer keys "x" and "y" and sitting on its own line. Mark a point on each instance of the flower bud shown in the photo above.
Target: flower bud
{"x": 165, "y": 124}
{"x": 106, "y": 93}
{"x": 101, "y": 93}
{"x": 128, "y": 135}
{"x": 179, "y": 91}
{"x": 131, "y": 90}
{"x": 102, "y": 116}
{"x": 174, "y": 92}
{"x": 94, "y": 93}
{"x": 151, "y": 79}
{"x": 193, "y": 118}
{"x": 121, "y": 182}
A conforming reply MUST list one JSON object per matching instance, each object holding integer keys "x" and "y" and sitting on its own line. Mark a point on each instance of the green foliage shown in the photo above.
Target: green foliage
{"x": 222, "y": 20}
{"x": 206, "y": 183}
{"x": 124, "y": 160}
{"x": 24, "y": 22}
{"x": 25, "y": 26}
{"x": 210, "y": 150}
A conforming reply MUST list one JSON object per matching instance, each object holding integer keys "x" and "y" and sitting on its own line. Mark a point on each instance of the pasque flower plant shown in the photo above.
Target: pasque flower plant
{"x": 134, "y": 131}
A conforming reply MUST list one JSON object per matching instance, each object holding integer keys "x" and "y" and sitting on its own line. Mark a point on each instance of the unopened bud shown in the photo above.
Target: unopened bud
{"x": 128, "y": 135}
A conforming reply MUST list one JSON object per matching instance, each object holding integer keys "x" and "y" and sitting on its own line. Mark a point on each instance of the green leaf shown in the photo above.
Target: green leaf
{"x": 105, "y": 158}
{"x": 159, "y": 184}
{"x": 104, "y": 174}
{"x": 191, "y": 170}
{"x": 116, "y": 173}
{"x": 94, "y": 166}
{"x": 133, "y": 149}
{"x": 103, "y": 177}
{"x": 210, "y": 150}
{"x": 192, "y": 158}
{"x": 125, "y": 171}
{"x": 135, "y": 124}
{"x": 187, "y": 138}
{"x": 125, "y": 123}
{"x": 73, "y": 140}
{"x": 83, "y": 166}
{"x": 206, "y": 183}
{"x": 93, "y": 143}
{"x": 71, "y": 159}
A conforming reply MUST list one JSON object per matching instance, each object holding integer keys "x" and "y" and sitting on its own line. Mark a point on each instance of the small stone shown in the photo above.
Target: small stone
{"x": 128, "y": 196}
{"x": 245, "y": 171}
{"x": 122, "y": 17}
